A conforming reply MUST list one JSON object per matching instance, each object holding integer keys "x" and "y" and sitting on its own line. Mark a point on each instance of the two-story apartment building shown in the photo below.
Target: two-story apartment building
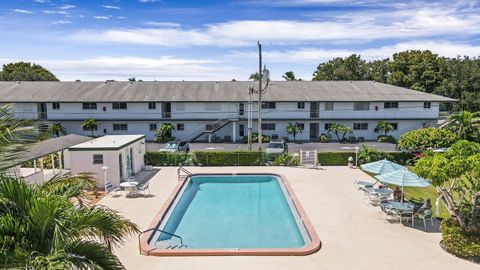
{"x": 193, "y": 107}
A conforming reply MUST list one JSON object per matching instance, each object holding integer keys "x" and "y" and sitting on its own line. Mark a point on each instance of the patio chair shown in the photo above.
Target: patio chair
{"x": 390, "y": 214}
{"x": 360, "y": 184}
{"x": 143, "y": 188}
{"x": 110, "y": 188}
{"x": 405, "y": 216}
{"x": 427, "y": 214}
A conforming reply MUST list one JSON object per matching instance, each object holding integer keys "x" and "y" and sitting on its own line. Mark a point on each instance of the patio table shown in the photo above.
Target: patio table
{"x": 130, "y": 186}
{"x": 402, "y": 207}
{"x": 382, "y": 191}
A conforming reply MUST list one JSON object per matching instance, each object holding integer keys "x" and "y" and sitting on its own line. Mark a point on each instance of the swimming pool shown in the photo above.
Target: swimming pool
{"x": 220, "y": 214}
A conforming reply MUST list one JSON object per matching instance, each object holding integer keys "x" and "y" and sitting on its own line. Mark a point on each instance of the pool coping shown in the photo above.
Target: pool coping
{"x": 312, "y": 247}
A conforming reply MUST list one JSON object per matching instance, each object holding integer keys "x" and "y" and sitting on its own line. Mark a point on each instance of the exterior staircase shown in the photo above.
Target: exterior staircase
{"x": 212, "y": 128}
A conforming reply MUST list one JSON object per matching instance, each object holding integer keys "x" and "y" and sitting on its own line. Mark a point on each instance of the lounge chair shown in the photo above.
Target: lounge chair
{"x": 110, "y": 188}
{"x": 390, "y": 214}
{"x": 143, "y": 188}
{"x": 427, "y": 214}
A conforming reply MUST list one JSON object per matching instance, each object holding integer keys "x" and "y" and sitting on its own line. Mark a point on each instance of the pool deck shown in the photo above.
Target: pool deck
{"x": 352, "y": 235}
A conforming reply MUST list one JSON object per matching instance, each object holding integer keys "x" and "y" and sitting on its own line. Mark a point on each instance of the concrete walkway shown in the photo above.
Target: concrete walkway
{"x": 352, "y": 235}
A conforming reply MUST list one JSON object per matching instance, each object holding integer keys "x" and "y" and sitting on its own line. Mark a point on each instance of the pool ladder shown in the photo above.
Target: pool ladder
{"x": 169, "y": 244}
{"x": 186, "y": 173}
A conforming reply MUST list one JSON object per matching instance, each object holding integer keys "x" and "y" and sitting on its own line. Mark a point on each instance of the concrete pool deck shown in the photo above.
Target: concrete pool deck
{"x": 352, "y": 235}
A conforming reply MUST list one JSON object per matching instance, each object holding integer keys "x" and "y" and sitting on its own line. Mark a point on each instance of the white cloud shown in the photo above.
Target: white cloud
{"x": 317, "y": 55}
{"x": 149, "y": 1}
{"x": 61, "y": 12}
{"x": 41, "y": 1}
{"x": 422, "y": 23}
{"x": 67, "y": 7}
{"x": 121, "y": 68}
{"x": 121, "y": 17}
{"x": 101, "y": 17}
{"x": 62, "y": 22}
{"x": 163, "y": 24}
{"x": 22, "y": 11}
{"x": 110, "y": 7}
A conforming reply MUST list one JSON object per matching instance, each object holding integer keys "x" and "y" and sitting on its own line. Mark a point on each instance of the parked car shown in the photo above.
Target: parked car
{"x": 276, "y": 148}
{"x": 176, "y": 146}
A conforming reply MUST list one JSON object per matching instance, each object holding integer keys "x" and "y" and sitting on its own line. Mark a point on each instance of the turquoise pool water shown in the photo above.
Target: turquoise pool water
{"x": 233, "y": 212}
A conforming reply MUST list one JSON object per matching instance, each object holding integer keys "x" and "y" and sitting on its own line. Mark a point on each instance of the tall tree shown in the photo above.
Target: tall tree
{"x": 377, "y": 70}
{"x": 383, "y": 127}
{"x": 90, "y": 124}
{"x": 418, "y": 70}
{"x": 23, "y": 71}
{"x": 254, "y": 76}
{"x": 341, "y": 69}
{"x": 294, "y": 129}
{"x": 56, "y": 129}
{"x": 339, "y": 130}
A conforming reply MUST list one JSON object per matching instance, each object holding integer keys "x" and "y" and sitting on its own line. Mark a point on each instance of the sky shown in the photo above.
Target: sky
{"x": 217, "y": 40}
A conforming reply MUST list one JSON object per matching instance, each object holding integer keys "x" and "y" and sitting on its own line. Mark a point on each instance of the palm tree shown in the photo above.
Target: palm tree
{"x": 289, "y": 76}
{"x": 90, "y": 124}
{"x": 294, "y": 129}
{"x": 40, "y": 228}
{"x": 339, "y": 129}
{"x": 466, "y": 125}
{"x": 56, "y": 129}
{"x": 254, "y": 76}
{"x": 383, "y": 127}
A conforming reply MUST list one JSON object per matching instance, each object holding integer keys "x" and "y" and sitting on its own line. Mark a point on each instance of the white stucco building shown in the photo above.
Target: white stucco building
{"x": 193, "y": 107}
{"x": 122, "y": 156}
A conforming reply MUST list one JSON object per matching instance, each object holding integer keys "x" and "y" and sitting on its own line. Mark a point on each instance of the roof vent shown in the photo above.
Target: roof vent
{"x": 78, "y": 80}
{"x": 107, "y": 81}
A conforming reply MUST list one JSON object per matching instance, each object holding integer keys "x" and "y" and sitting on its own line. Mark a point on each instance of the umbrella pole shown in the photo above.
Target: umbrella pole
{"x": 402, "y": 195}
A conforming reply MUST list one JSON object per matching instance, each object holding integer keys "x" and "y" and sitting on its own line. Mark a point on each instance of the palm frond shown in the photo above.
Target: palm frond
{"x": 85, "y": 254}
{"x": 70, "y": 186}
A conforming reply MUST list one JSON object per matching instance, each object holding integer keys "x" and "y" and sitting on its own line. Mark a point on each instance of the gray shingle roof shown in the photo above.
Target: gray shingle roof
{"x": 181, "y": 91}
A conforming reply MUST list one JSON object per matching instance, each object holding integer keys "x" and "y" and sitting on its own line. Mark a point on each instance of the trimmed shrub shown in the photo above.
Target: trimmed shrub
{"x": 465, "y": 244}
{"x": 323, "y": 139}
{"x": 157, "y": 158}
{"x": 229, "y": 158}
{"x": 341, "y": 158}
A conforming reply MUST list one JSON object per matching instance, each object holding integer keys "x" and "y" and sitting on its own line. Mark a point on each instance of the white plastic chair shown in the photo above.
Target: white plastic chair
{"x": 110, "y": 188}
{"x": 144, "y": 188}
{"x": 427, "y": 214}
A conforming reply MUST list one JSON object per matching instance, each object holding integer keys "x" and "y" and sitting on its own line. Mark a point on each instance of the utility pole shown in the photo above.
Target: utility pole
{"x": 259, "y": 96}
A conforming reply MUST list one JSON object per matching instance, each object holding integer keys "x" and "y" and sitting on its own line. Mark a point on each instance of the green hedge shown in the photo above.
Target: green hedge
{"x": 156, "y": 158}
{"x": 465, "y": 244}
{"x": 341, "y": 158}
{"x": 229, "y": 158}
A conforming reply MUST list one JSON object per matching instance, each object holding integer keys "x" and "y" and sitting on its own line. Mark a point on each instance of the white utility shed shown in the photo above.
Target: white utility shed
{"x": 118, "y": 157}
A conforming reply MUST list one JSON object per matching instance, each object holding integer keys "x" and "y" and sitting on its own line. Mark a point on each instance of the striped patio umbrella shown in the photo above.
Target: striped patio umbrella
{"x": 381, "y": 167}
{"x": 403, "y": 178}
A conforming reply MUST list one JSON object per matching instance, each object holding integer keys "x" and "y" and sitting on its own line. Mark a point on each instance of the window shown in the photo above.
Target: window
{"x": 394, "y": 125}
{"x": 120, "y": 127}
{"x": 241, "y": 130}
{"x": 180, "y": 107}
{"x": 390, "y": 105}
{"x": 301, "y": 126}
{"x": 180, "y": 127}
{"x": 361, "y": 106}
{"x": 151, "y": 105}
{"x": 268, "y": 126}
{"x": 427, "y": 105}
{"x": 360, "y": 126}
{"x": 56, "y": 106}
{"x": 241, "y": 109}
{"x": 329, "y": 106}
{"x": 153, "y": 127}
{"x": 268, "y": 105}
{"x": 213, "y": 106}
{"x": 94, "y": 127}
{"x": 327, "y": 126}
{"x": 300, "y": 105}
{"x": 98, "y": 159}
{"x": 119, "y": 105}
{"x": 89, "y": 106}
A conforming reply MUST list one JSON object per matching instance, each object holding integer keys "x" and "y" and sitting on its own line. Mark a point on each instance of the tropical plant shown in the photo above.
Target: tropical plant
{"x": 56, "y": 129}
{"x": 15, "y": 135}
{"x": 290, "y": 76}
{"x": 90, "y": 124}
{"x": 419, "y": 140}
{"x": 323, "y": 139}
{"x": 383, "y": 127}
{"x": 164, "y": 133}
{"x": 254, "y": 76}
{"x": 339, "y": 130}
{"x": 286, "y": 159}
{"x": 466, "y": 125}
{"x": 456, "y": 176}
{"x": 368, "y": 154}
{"x": 294, "y": 129}
{"x": 40, "y": 228}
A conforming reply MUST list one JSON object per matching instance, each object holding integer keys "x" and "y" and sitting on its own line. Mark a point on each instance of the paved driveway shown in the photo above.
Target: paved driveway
{"x": 293, "y": 147}
{"x": 352, "y": 235}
